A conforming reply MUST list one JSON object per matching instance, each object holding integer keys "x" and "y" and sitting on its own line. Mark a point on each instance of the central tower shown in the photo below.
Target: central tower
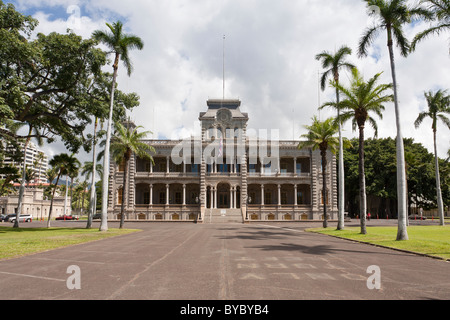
{"x": 223, "y": 180}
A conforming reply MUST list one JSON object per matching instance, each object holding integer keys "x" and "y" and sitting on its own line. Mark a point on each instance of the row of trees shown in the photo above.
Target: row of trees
{"x": 363, "y": 98}
{"x": 380, "y": 168}
{"x": 53, "y": 86}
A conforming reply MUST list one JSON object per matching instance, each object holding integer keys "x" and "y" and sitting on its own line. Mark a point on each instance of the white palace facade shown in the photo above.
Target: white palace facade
{"x": 224, "y": 175}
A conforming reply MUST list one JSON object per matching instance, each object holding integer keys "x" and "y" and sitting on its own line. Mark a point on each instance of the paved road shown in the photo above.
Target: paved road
{"x": 167, "y": 261}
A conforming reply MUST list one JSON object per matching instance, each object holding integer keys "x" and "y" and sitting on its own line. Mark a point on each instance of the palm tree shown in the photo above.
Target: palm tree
{"x": 391, "y": 16}
{"x": 362, "y": 98}
{"x": 120, "y": 44}
{"x": 88, "y": 170}
{"x": 125, "y": 143}
{"x": 72, "y": 173}
{"x": 63, "y": 164}
{"x": 438, "y": 106}
{"x": 439, "y": 10}
{"x": 321, "y": 135}
{"x": 332, "y": 64}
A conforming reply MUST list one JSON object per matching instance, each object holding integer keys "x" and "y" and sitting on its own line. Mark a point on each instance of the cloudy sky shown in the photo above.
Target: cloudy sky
{"x": 270, "y": 65}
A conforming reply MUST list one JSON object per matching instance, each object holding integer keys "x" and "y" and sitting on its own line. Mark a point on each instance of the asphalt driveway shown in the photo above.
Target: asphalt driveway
{"x": 184, "y": 261}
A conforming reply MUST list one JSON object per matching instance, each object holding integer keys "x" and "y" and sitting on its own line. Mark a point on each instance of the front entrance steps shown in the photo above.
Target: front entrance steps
{"x": 223, "y": 216}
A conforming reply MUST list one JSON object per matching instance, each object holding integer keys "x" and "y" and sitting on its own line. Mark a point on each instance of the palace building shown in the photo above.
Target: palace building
{"x": 226, "y": 174}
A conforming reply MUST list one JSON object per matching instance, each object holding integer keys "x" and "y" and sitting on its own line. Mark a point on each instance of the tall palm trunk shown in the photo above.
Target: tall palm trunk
{"x": 341, "y": 190}
{"x": 438, "y": 183}
{"x": 65, "y": 195}
{"x": 105, "y": 182}
{"x": 402, "y": 233}
{"x": 124, "y": 189}
{"x": 94, "y": 164}
{"x": 51, "y": 202}
{"x": 323, "y": 153}
{"x": 362, "y": 182}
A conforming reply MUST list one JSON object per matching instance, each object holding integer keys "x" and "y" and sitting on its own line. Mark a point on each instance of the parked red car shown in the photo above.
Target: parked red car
{"x": 66, "y": 217}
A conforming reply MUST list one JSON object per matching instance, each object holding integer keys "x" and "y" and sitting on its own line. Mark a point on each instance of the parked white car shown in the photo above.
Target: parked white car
{"x": 22, "y": 218}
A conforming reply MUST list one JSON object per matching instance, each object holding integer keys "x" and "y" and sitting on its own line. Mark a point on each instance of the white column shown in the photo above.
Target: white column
{"x": 262, "y": 194}
{"x": 167, "y": 194}
{"x": 151, "y": 194}
{"x": 295, "y": 194}
{"x": 211, "y": 197}
{"x": 231, "y": 198}
{"x": 167, "y": 164}
{"x": 215, "y": 198}
{"x": 279, "y": 194}
{"x": 184, "y": 194}
{"x": 234, "y": 197}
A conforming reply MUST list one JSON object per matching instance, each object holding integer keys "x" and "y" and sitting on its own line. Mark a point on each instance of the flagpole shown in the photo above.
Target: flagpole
{"x": 223, "y": 68}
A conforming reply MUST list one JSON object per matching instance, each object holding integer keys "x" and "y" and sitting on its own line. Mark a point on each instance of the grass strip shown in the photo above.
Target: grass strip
{"x": 22, "y": 241}
{"x": 428, "y": 240}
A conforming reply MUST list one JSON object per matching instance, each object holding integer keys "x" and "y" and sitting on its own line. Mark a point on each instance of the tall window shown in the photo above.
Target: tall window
{"x": 253, "y": 197}
{"x": 283, "y": 167}
{"x": 300, "y": 199}
{"x": 267, "y": 197}
{"x": 147, "y": 197}
{"x": 162, "y": 198}
{"x": 178, "y": 198}
{"x": 283, "y": 198}
{"x": 119, "y": 195}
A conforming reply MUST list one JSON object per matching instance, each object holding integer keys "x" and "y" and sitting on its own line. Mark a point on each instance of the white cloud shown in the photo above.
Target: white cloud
{"x": 269, "y": 60}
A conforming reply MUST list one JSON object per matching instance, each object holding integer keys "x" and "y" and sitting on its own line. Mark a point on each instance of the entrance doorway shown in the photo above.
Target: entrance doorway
{"x": 223, "y": 195}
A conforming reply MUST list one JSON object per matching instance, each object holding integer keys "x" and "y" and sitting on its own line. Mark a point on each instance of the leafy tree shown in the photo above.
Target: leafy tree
{"x": 12, "y": 175}
{"x": 361, "y": 99}
{"x": 120, "y": 44}
{"x": 380, "y": 170}
{"x": 333, "y": 63}
{"x": 125, "y": 143}
{"x": 321, "y": 136}
{"x": 391, "y": 16}
{"x": 53, "y": 83}
{"x": 438, "y": 107}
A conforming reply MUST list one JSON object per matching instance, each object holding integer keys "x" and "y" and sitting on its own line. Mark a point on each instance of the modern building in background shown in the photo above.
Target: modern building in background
{"x": 35, "y": 205}
{"x": 35, "y": 159}
{"x": 228, "y": 173}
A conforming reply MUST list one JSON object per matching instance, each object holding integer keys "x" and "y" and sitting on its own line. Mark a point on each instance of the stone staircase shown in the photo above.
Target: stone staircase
{"x": 223, "y": 216}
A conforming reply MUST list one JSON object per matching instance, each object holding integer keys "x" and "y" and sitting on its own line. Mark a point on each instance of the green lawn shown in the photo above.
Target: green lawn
{"x": 430, "y": 240}
{"x": 22, "y": 241}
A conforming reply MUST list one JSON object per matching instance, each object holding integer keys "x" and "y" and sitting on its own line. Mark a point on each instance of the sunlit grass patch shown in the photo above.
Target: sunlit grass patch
{"x": 430, "y": 240}
{"x": 23, "y": 241}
